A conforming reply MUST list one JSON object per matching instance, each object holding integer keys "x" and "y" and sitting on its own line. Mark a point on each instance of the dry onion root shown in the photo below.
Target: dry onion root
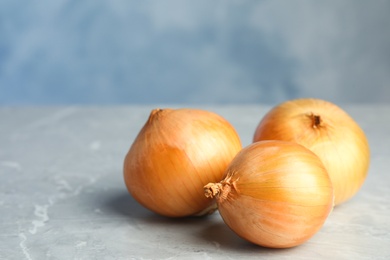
{"x": 175, "y": 154}
{"x": 329, "y": 132}
{"x": 275, "y": 194}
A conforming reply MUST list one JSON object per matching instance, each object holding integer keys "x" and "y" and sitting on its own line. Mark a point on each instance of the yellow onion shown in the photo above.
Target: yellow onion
{"x": 175, "y": 154}
{"x": 329, "y": 132}
{"x": 275, "y": 194}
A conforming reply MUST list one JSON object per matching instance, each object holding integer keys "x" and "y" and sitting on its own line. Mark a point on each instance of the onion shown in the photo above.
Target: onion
{"x": 175, "y": 154}
{"x": 329, "y": 132}
{"x": 275, "y": 194}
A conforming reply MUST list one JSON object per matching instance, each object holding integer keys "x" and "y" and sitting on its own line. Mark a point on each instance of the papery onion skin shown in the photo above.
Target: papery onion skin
{"x": 175, "y": 154}
{"x": 274, "y": 194}
{"x": 329, "y": 132}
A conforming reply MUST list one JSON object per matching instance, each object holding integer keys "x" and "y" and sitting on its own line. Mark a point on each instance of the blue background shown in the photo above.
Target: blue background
{"x": 193, "y": 52}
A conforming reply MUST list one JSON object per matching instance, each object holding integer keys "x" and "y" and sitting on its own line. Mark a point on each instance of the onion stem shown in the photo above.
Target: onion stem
{"x": 315, "y": 120}
{"x": 212, "y": 189}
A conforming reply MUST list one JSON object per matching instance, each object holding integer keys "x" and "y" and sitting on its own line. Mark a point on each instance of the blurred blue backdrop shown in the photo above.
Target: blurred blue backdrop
{"x": 177, "y": 51}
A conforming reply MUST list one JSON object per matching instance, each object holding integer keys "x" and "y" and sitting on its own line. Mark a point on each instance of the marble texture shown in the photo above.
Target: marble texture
{"x": 62, "y": 194}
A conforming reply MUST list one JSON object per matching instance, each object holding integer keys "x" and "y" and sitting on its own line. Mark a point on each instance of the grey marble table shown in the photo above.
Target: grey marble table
{"x": 62, "y": 194}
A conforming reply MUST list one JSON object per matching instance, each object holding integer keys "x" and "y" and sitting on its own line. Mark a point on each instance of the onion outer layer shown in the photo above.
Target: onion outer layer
{"x": 275, "y": 194}
{"x": 175, "y": 154}
{"x": 329, "y": 132}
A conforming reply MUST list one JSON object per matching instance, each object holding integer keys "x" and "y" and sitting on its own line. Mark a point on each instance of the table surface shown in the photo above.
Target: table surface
{"x": 62, "y": 194}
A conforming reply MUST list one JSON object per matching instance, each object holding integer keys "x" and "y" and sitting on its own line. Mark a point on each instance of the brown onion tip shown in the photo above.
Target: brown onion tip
{"x": 315, "y": 120}
{"x": 154, "y": 113}
{"x": 212, "y": 189}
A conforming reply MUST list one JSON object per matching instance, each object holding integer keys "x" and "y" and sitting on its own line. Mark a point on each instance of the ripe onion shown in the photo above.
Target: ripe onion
{"x": 275, "y": 194}
{"x": 175, "y": 154}
{"x": 329, "y": 132}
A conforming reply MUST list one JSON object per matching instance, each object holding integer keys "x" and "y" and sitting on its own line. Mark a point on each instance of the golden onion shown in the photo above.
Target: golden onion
{"x": 274, "y": 194}
{"x": 175, "y": 154}
{"x": 329, "y": 132}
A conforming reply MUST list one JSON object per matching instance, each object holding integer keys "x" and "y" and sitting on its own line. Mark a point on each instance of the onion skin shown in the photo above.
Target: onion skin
{"x": 175, "y": 154}
{"x": 274, "y": 194}
{"x": 329, "y": 132}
